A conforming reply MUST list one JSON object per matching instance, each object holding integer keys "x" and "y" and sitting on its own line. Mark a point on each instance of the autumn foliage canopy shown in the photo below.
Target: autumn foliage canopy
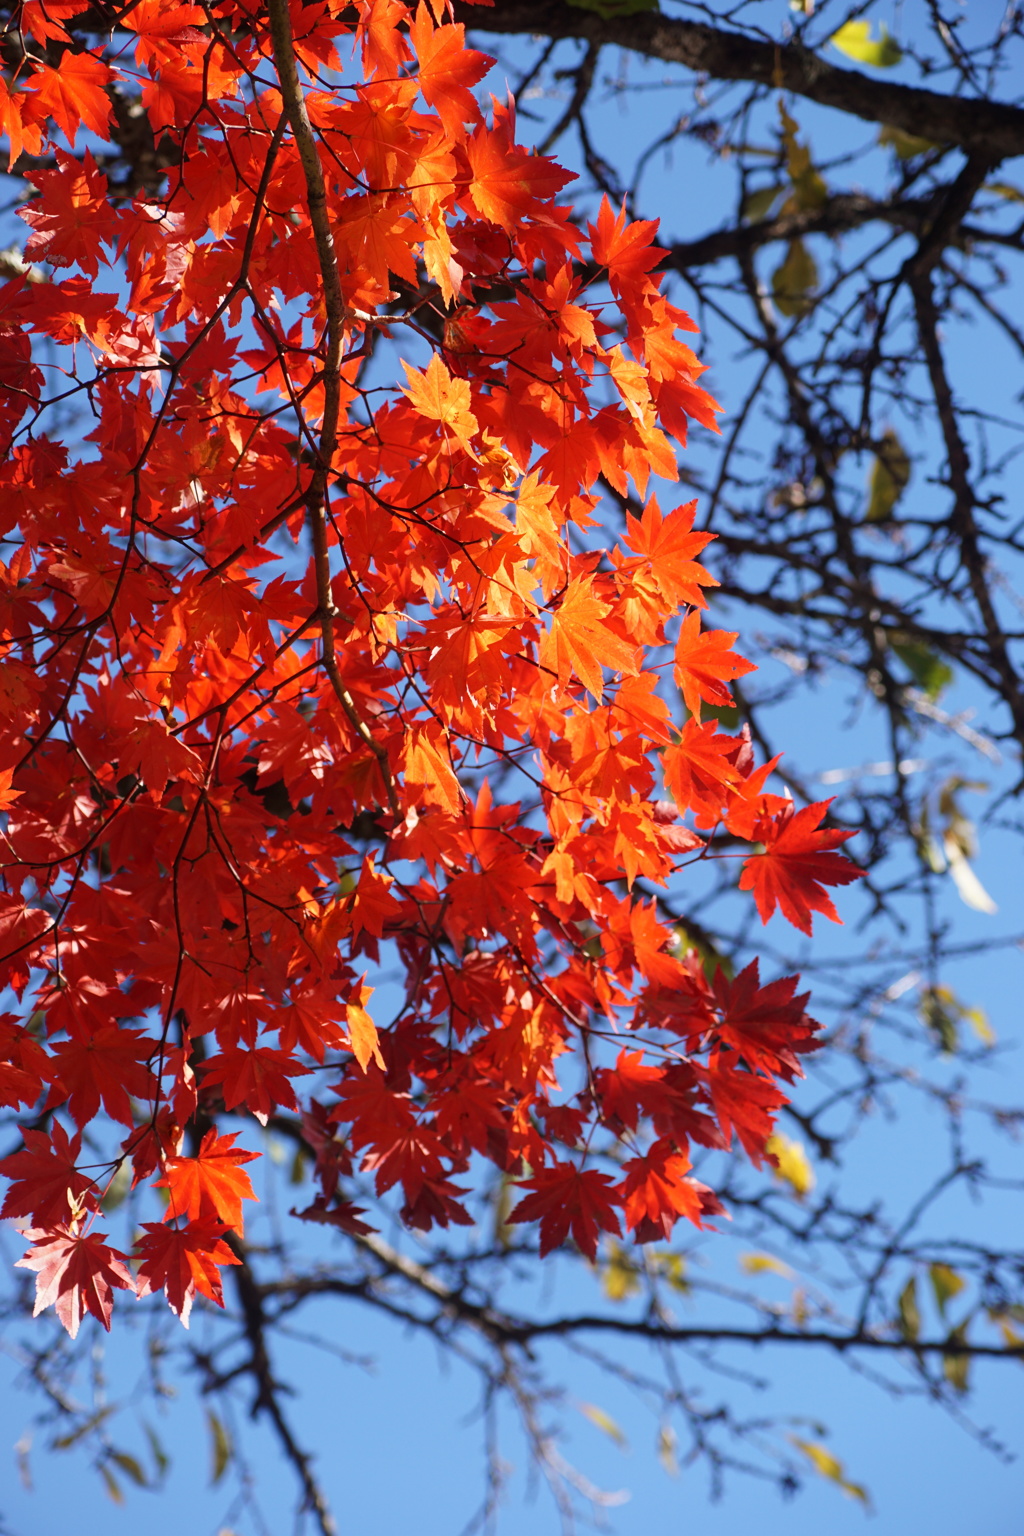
{"x": 313, "y": 673}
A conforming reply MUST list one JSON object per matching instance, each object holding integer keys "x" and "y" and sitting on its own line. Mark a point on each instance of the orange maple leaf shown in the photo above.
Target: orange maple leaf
{"x": 656, "y": 1192}
{"x": 579, "y": 642}
{"x": 440, "y": 397}
{"x": 76, "y": 93}
{"x": 704, "y": 663}
{"x": 508, "y": 182}
{"x": 447, "y": 68}
{"x": 211, "y": 1185}
{"x": 667, "y": 547}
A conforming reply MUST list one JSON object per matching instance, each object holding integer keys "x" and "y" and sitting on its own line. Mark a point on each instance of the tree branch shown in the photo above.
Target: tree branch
{"x": 990, "y": 127}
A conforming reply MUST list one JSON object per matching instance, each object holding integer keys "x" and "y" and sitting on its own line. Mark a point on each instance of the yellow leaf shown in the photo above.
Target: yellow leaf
{"x": 1005, "y": 189}
{"x": 910, "y": 1316}
{"x": 667, "y": 1450}
{"x": 855, "y": 40}
{"x": 761, "y": 1263}
{"x": 792, "y": 1165}
{"x": 946, "y": 1284}
{"x": 956, "y": 1367}
{"x": 673, "y": 1267}
{"x": 619, "y": 1276}
{"x": 978, "y": 1019}
{"x": 823, "y": 1461}
{"x": 604, "y": 1422}
{"x": 113, "y": 1487}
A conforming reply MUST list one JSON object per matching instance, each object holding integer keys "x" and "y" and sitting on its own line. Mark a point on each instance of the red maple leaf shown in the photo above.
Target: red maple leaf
{"x": 165, "y": 32}
{"x": 766, "y": 1025}
{"x": 183, "y": 1262}
{"x": 76, "y": 1272}
{"x": 211, "y": 1185}
{"x": 73, "y": 218}
{"x": 744, "y": 1102}
{"x": 656, "y": 1192}
{"x": 257, "y": 1078}
{"x": 632, "y": 1090}
{"x": 106, "y": 1066}
{"x": 341, "y": 1214}
{"x": 508, "y": 182}
{"x": 797, "y": 863}
{"x": 47, "y": 1185}
{"x": 699, "y": 770}
{"x": 568, "y": 1200}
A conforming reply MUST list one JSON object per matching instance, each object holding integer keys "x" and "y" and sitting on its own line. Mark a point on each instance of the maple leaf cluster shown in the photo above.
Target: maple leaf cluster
{"x": 238, "y": 773}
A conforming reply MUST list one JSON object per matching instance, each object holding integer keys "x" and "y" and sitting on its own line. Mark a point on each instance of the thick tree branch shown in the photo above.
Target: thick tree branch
{"x": 989, "y": 127}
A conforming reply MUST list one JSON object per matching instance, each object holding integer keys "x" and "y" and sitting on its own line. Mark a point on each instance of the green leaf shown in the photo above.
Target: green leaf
{"x": 907, "y": 145}
{"x": 794, "y": 282}
{"x": 710, "y": 958}
{"x": 65, "y": 1442}
{"x": 855, "y": 40}
{"x": 112, "y": 1485}
{"x": 160, "y": 1456}
{"x": 890, "y": 476}
{"x": 757, "y": 205}
{"x": 222, "y": 1447}
{"x": 946, "y": 1284}
{"x": 910, "y": 1316}
{"x": 931, "y": 674}
{"x": 809, "y": 191}
{"x": 943, "y": 1011}
{"x": 130, "y": 1467}
{"x": 117, "y": 1189}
